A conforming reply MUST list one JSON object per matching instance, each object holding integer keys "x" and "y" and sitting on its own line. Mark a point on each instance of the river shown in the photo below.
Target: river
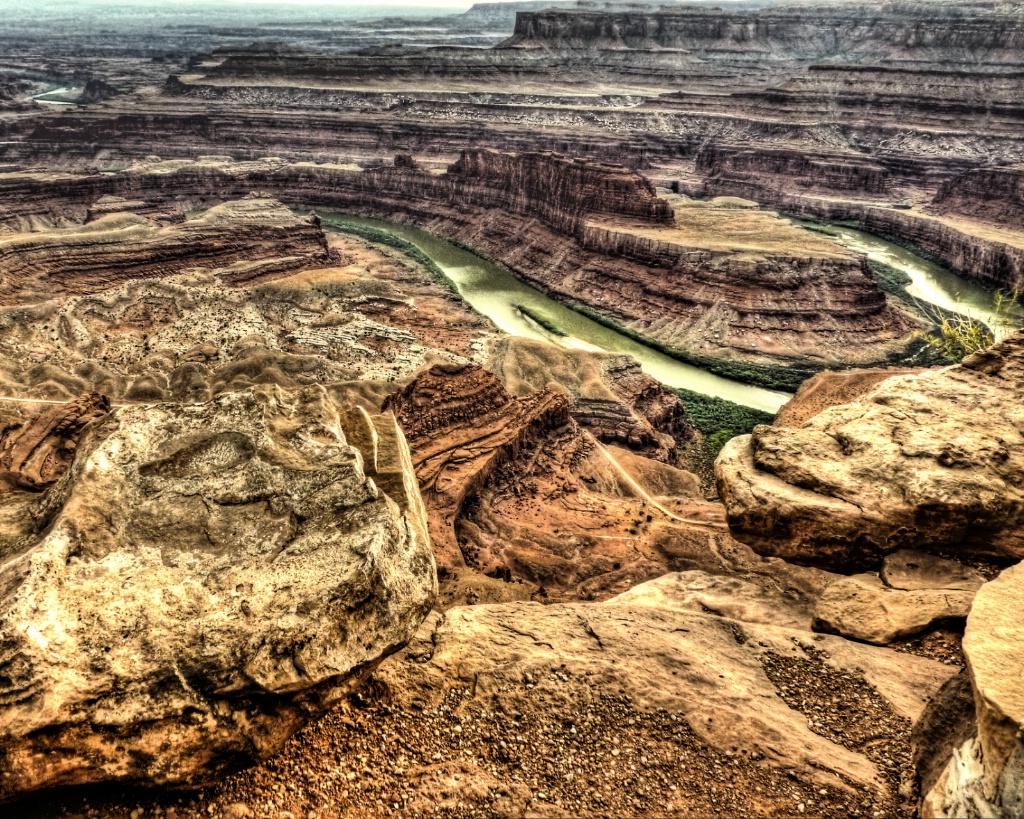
{"x": 931, "y": 282}
{"x": 497, "y": 294}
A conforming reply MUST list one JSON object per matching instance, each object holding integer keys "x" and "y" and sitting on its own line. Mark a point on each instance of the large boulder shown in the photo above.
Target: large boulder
{"x": 984, "y": 776}
{"x": 864, "y": 608}
{"x": 205, "y": 579}
{"x": 927, "y": 461}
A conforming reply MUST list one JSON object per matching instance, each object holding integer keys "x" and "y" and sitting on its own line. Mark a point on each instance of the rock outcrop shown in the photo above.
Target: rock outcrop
{"x": 739, "y": 694}
{"x": 248, "y": 239}
{"x": 461, "y": 424}
{"x": 993, "y": 194}
{"x": 913, "y": 592}
{"x": 36, "y": 452}
{"x": 206, "y": 578}
{"x": 829, "y": 388}
{"x": 923, "y": 461}
{"x": 759, "y": 289}
{"x": 984, "y": 776}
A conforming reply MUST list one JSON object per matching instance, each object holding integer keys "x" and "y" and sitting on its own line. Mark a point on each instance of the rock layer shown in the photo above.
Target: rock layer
{"x": 208, "y": 577}
{"x": 36, "y": 452}
{"x": 550, "y": 220}
{"x": 248, "y": 239}
{"x": 924, "y": 461}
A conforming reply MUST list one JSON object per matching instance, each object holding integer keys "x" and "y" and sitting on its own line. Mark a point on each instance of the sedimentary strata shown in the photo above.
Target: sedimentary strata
{"x": 461, "y": 424}
{"x": 993, "y": 194}
{"x": 923, "y": 461}
{"x": 249, "y": 239}
{"x": 761, "y": 289}
{"x": 282, "y": 574}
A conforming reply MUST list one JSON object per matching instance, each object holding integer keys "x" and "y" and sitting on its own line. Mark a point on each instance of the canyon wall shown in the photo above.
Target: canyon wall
{"x": 991, "y": 254}
{"x": 994, "y": 194}
{"x": 924, "y": 30}
{"x": 545, "y": 217}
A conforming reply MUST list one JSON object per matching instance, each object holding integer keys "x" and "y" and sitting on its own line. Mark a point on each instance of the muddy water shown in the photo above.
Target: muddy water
{"x": 933, "y": 283}
{"x": 498, "y": 295}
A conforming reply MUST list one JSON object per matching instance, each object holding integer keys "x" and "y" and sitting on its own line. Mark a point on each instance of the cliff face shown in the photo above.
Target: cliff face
{"x": 811, "y": 34}
{"x": 993, "y": 257}
{"x": 462, "y": 425}
{"x": 848, "y": 173}
{"x": 250, "y": 238}
{"x": 994, "y": 194}
{"x": 562, "y": 190}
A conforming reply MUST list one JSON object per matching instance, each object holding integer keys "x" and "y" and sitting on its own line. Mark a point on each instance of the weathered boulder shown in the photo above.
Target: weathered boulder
{"x": 927, "y": 461}
{"x": 914, "y": 571}
{"x": 206, "y": 578}
{"x": 864, "y": 608}
{"x": 985, "y": 774}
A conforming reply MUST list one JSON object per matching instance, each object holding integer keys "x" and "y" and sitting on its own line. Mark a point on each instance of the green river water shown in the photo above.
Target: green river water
{"x": 497, "y": 294}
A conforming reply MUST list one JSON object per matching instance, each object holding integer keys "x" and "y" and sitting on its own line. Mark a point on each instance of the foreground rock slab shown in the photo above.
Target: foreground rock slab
{"x": 748, "y": 692}
{"x": 865, "y": 608}
{"x": 985, "y": 775}
{"x": 208, "y": 577}
{"x": 927, "y": 461}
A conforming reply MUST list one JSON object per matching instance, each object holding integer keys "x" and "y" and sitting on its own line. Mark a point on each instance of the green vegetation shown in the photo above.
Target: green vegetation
{"x": 542, "y": 320}
{"x": 891, "y": 280}
{"x": 383, "y": 237}
{"x": 719, "y": 420}
{"x": 959, "y": 335}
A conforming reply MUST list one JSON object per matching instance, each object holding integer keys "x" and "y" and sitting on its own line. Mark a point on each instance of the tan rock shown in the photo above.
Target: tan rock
{"x": 209, "y": 577}
{"x": 862, "y": 607}
{"x": 829, "y": 389}
{"x": 985, "y": 775}
{"x": 650, "y": 646}
{"x": 926, "y": 461}
{"x": 913, "y": 571}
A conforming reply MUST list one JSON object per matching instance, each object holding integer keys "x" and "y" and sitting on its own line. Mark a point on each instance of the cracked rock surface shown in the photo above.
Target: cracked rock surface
{"x": 928, "y": 461}
{"x": 203, "y": 580}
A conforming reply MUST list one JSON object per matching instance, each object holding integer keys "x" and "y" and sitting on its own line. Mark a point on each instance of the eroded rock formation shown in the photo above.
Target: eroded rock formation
{"x": 923, "y": 461}
{"x": 984, "y": 775}
{"x": 461, "y": 424}
{"x": 729, "y": 285}
{"x": 731, "y": 689}
{"x": 34, "y": 453}
{"x": 206, "y": 578}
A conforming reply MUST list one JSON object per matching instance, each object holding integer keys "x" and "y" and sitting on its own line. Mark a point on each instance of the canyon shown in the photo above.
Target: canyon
{"x": 293, "y": 523}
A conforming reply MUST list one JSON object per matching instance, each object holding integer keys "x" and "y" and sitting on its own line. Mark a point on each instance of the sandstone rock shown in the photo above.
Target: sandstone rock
{"x": 830, "y": 388}
{"x": 947, "y": 723}
{"x": 658, "y": 653}
{"x": 247, "y": 239}
{"x": 206, "y": 579}
{"x": 33, "y": 455}
{"x": 924, "y": 461}
{"x": 611, "y": 396}
{"x": 985, "y": 776}
{"x": 913, "y": 571}
{"x": 864, "y": 608}
{"x": 461, "y": 423}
